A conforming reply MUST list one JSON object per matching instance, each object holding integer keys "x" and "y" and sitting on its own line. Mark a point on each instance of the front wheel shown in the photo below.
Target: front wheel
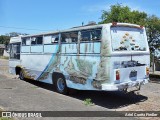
{"x": 21, "y": 75}
{"x": 60, "y": 85}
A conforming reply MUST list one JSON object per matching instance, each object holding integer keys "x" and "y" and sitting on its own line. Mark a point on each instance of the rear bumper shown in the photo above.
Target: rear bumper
{"x": 124, "y": 86}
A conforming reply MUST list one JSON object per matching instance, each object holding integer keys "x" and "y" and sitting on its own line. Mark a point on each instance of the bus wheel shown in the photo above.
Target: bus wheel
{"x": 21, "y": 75}
{"x": 60, "y": 85}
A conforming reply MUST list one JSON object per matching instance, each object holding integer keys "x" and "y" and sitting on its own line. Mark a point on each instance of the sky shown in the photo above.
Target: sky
{"x": 37, "y": 16}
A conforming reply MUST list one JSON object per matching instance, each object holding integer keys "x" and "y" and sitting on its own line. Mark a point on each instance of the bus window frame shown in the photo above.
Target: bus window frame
{"x": 69, "y": 32}
{"x": 36, "y": 40}
{"x": 52, "y": 43}
{"x": 92, "y": 41}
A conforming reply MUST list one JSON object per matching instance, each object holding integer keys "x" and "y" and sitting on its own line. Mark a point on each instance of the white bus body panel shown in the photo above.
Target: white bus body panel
{"x": 94, "y": 68}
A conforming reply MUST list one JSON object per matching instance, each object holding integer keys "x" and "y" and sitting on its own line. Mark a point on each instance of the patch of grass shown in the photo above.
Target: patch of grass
{"x": 5, "y": 118}
{"x": 35, "y": 87}
{"x": 4, "y": 57}
{"x": 88, "y": 102}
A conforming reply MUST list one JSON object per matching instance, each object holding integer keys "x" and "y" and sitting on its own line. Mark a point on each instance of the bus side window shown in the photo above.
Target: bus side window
{"x": 85, "y": 36}
{"x": 91, "y": 35}
{"x": 55, "y": 38}
{"x": 51, "y": 39}
{"x": 70, "y": 37}
{"x": 47, "y": 39}
{"x": 74, "y": 36}
{"x": 96, "y": 34}
{"x": 33, "y": 41}
{"x": 64, "y": 37}
{"x": 23, "y": 41}
{"x": 26, "y": 41}
{"x": 37, "y": 40}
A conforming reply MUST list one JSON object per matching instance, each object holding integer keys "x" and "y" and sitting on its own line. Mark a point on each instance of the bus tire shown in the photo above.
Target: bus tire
{"x": 21, "y": 75}
{"x": 60, "y": 85}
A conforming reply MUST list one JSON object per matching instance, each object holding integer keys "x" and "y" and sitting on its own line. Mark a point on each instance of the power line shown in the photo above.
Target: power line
{"x": 23, "y": 28}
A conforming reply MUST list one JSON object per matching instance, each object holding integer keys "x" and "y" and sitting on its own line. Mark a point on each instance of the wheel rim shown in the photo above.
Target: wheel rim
{"x": 60, "y": 84}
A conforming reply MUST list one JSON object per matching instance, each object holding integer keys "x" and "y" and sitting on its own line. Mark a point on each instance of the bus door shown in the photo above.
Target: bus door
{"x": 14, "y": 56}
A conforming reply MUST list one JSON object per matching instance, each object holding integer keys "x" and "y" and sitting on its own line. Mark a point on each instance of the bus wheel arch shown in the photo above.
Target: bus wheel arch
{"x": 59, "y": 83}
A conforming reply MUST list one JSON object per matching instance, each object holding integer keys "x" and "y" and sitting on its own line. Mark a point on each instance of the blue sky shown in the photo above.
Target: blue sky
{"x": 49, "y": 15}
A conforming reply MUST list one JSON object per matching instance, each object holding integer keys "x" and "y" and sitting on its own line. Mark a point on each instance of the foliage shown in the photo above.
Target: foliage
{"x": 88, "y": 102}
{"x": 15, "y": 34}
{"x": 4, "y": 39}
{"x": 153, "y": 31}
{"x": 120, "y": 13}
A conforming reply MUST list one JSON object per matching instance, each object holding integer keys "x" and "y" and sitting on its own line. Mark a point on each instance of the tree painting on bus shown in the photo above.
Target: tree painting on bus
{"x": 83, "y": 72}
{"x": 80, "y": 70}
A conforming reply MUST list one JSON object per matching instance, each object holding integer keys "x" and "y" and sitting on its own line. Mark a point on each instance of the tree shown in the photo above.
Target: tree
{"x": 153, "y": 32}
{"x": 15, "y": 34}
{"x": 119, "y": 13}
{"x": 4, "y": 39}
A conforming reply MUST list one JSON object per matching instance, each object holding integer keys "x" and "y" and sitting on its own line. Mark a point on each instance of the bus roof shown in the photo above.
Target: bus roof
{"x": 82, "y": 28}
{"x": 67, "y": 30}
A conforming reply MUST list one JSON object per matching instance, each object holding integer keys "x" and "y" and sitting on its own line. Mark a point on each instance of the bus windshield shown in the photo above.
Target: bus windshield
{"x": 128, "y": 39}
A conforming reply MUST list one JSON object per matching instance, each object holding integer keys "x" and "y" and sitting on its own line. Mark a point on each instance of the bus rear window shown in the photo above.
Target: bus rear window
{"x": 128, "y": 39}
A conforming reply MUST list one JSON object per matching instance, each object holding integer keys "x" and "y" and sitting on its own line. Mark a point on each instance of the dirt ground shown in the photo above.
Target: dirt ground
{"x": 148, "y": 100}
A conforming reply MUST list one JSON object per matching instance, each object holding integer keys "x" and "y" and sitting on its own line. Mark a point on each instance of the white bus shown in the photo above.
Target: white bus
{"x": 108, "y": 57}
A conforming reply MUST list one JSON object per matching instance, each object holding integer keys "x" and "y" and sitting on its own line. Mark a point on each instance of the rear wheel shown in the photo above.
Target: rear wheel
{"x": 60, "y": 85}
{"x": 21, "y": 75}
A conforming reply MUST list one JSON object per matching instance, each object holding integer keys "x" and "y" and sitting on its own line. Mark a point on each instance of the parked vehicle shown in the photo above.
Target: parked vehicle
{"x": 107, "y": 57}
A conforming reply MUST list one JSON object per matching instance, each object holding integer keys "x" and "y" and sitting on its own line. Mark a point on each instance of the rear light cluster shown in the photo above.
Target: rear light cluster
{"x": 117, "y": 74}
{"x": 147, "y": 71}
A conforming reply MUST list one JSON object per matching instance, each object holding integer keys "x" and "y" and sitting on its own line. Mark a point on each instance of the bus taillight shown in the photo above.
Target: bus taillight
{"x": 117, "y": 75}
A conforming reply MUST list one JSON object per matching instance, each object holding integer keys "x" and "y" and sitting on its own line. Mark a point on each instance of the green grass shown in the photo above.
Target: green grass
{"x": 4, "y": 57}
{"x": 5, "y": 118}
{"x": 35, "y": 87}
{"x": 88, "y": 102}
